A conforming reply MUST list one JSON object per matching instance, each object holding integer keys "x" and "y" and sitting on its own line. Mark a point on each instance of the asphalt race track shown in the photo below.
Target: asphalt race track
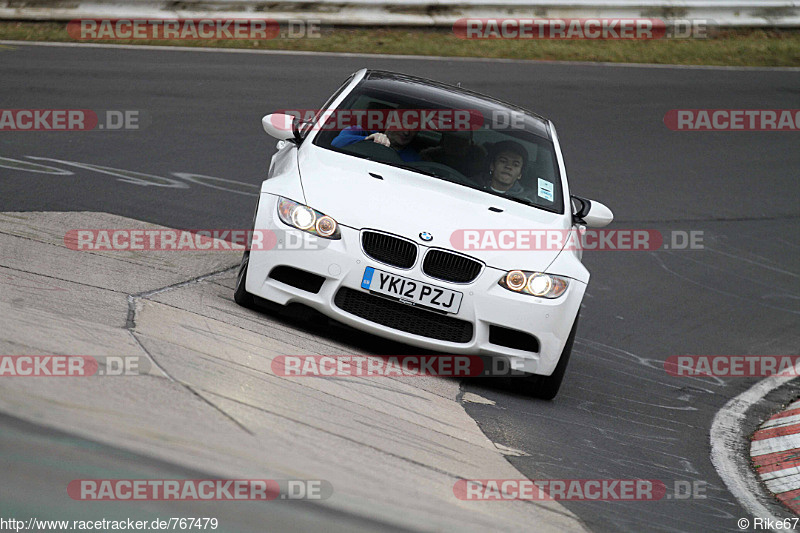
{"x": 619, "y": 414}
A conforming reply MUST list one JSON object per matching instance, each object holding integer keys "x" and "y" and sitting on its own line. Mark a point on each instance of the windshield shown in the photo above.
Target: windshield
{"x": 447, "y": 134}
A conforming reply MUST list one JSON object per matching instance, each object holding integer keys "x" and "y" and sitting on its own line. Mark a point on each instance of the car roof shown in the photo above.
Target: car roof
{"x": 385, "y": 79}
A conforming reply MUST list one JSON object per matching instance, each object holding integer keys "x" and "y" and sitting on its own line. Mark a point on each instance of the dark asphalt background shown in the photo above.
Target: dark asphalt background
{"x": 619, "y": 414}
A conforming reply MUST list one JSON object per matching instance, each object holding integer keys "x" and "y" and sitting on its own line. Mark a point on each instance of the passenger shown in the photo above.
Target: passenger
{"x": 508, "y": 161}
{"x": 398, "y": 140}
{"x": 458, "y": 152}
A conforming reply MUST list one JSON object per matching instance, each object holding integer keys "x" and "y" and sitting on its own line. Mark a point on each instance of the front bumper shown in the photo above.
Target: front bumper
{"x": 485, "y": 303}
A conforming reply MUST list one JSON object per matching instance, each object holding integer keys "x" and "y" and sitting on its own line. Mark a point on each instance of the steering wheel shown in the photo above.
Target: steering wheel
{"x": 445, "y": 171}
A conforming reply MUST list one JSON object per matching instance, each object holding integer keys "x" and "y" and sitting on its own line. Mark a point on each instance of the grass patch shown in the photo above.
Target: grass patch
{"x": 741, "y": 47}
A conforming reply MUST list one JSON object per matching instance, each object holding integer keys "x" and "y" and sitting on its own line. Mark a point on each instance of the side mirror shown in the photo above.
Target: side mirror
{"x": 282, "y": 127}
{"x": 591, "y": 213}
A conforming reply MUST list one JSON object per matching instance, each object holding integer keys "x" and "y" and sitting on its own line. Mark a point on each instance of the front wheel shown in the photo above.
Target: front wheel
{"x": 240, "y": 294}
{"x": 546, "y": 387}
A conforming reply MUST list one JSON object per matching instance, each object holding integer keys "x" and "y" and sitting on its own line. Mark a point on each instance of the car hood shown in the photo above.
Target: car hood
{"x": 407, "y": 203}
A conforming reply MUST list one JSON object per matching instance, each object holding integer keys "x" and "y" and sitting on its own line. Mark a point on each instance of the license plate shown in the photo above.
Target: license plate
{"x": 411, "y": 291}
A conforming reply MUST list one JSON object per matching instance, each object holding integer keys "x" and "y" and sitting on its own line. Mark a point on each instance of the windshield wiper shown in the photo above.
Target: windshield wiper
{"x": 520, "y": 200}
{"x": 415, "y": 169}
{"x": 531, "y": 203}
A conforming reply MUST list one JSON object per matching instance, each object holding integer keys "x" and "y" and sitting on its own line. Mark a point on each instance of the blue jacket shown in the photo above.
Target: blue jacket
{"x": 353, "y": 134}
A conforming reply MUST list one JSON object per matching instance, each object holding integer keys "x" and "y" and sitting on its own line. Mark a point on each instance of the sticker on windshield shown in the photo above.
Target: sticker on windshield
{"x": 545, "y": 190}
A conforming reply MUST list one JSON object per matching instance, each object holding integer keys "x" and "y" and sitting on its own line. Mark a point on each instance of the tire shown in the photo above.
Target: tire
{"x": 546, "y": 387}
{"x": 240, "y": 294}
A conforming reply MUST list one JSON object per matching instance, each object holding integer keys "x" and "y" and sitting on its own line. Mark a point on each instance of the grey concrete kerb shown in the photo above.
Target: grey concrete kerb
{"x": 210, "y": 401}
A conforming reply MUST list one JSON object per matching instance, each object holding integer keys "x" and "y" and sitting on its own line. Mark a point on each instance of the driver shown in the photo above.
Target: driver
{"x": 398, "y": 140}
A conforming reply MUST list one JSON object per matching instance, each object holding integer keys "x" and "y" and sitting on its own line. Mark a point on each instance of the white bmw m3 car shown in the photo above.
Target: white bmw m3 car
{"x": 416, "y": 204}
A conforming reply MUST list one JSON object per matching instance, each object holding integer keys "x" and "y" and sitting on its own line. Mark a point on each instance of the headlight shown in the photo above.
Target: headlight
{"x": 534, "y": 283}
{"x": 515, "y": 280}
{"x": 326, "y": 226}
{"x": 303, "y": 217}
{"x": 310, "y": 220}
